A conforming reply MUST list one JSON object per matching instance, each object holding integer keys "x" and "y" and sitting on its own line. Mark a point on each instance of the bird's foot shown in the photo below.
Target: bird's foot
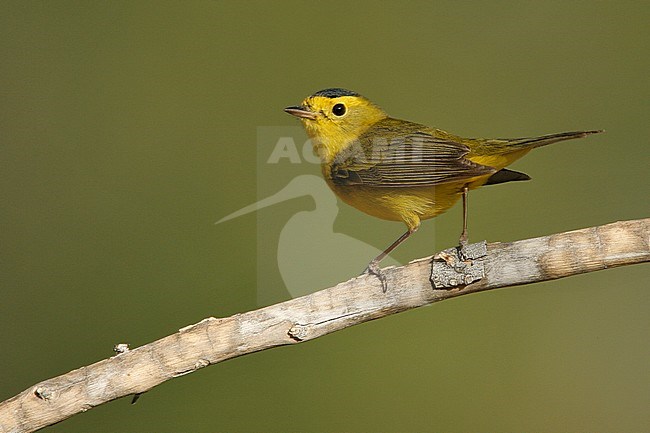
{"x": 462, "y": 240}
{"x": 463, "y": 243}
{"x": 373, "y": 269}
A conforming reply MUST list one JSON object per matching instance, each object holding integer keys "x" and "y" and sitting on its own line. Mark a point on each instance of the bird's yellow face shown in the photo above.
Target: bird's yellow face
{"x": 334, "y": 118}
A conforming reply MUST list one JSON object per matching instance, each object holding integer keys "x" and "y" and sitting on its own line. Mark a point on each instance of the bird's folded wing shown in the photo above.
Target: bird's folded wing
{"x": 416, "y": 159}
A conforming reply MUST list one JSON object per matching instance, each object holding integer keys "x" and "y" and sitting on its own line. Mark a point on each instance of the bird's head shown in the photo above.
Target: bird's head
{"x": 335, "y": 118}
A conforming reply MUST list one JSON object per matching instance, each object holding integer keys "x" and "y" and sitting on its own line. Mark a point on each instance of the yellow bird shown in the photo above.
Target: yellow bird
{"x": 403, "y": 171}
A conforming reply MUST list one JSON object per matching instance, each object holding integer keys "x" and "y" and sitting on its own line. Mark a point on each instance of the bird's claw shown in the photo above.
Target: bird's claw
{"x": 373, "y": 269}
{"x": 463, "y": 239}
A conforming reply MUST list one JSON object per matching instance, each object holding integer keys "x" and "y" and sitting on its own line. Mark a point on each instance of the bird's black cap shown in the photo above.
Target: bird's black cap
{"x": 335, "y": 93}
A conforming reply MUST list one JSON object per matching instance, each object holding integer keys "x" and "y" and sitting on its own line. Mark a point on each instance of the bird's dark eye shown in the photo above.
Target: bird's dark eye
{"x": 338, "y": 109}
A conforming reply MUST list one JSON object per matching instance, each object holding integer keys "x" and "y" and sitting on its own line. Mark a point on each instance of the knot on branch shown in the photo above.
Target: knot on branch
{"x": 299, "y": 332}
{"x": 458, "y": 266}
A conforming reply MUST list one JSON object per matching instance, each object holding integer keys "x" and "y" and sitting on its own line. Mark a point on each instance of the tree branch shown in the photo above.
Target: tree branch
{"x": 355, "y": 301}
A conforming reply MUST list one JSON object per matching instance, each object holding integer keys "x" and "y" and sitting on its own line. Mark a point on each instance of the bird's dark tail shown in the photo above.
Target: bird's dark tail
{"x": 543, "y": 140}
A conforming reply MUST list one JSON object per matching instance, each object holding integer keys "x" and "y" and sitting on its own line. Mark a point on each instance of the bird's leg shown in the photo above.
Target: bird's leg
{"x": 463, "y": 236}
{"x": 373, "y": 266}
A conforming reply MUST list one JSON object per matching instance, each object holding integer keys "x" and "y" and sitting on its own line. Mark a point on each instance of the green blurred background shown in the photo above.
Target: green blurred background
{"x": 128, "y": 128}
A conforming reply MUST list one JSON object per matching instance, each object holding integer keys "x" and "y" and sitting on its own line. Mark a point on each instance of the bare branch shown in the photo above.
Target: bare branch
{"x": 352, "y": 302}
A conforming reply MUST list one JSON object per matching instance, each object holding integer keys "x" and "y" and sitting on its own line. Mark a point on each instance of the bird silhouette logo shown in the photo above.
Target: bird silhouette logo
{"x": 310, "y": 254}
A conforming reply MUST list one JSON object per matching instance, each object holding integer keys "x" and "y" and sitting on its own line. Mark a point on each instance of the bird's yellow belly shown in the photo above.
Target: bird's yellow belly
{"x": 409, "y": 205}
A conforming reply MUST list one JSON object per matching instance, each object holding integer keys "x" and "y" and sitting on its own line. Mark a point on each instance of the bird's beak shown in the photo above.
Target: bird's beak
{"x": 301, "y": 111}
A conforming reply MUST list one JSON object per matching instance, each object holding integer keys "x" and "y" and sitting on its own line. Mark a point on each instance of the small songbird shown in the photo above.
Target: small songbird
{"x": 403, "y": 171}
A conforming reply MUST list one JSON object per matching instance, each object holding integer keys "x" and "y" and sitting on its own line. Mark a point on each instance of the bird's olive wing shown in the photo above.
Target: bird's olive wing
{"x": 416, "y": 159}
